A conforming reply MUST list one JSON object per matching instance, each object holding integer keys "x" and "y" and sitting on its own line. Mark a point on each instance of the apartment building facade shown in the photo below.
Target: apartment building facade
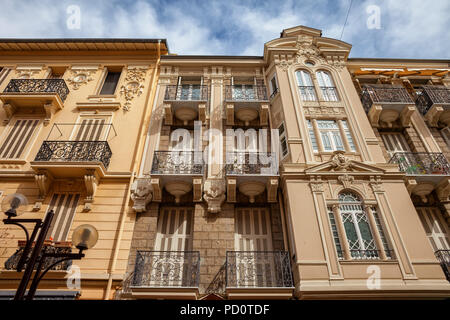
{"x": 322, "y": 208}
{"x": 68, "y": 108}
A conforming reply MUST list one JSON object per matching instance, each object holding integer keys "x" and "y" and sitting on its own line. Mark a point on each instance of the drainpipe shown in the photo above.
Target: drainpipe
{"x": 125, "y": 210}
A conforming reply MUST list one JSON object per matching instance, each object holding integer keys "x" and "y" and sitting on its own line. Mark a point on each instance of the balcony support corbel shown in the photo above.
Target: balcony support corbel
{"x": 230, "y": 114}
{"x": 43, "y": 180}
{"x": 231, "y": 189}
{"x": 141, "y": 194}
{"x": 168, "y": 115}
{"x": 157, "y": 191}
{"x": 264, "y": 115}
{"x": 91, "y": 181}
{"x": 433, "y": 115}
{"x": 272, "y": 187}
{"x": 405, "y": 115}
{"x": 49, "y": 111}
{"x": 410, "y": 185}
{"x": 374, "y": 115}
{"x": 9, "y": 110}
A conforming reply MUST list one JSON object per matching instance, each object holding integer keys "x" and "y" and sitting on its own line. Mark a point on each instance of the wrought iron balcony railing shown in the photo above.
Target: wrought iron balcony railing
{"x": 166, "y": 269}
{"x": 307, "y": 93}
{"x": 443, "y": 257}
{"x": 427, "y": 96}
{"x": 252, "y": 163}
{"x": 11, "y": 263}
{"x": 57, "y": 86}
{"x": 329, "y": 93}
{"x": 246, "y": 93}
{"x": 384, "y": 94}
{"x": 77, "y": 151}
{"x": 186, "y": 92}
{"x": 260, "y": 269}
{"x": 418, "y": 163}
{"x": 367, "y": 254}
{"x": 178, "y": 162}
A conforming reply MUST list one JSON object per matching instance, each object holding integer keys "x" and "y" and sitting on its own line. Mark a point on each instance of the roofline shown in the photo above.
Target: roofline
{"x": 214, "y": 57}
{"x": 399, "y": 60}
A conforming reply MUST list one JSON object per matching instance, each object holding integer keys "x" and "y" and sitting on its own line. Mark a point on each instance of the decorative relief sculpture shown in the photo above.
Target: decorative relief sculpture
{"x": 141, "y": 194}
{"x": 214, "y": 194}
{"x": 133, "y": 85}
{"x": 316, "y": 184}
{"x": 340, "y": 162}
{"x": 346, "y": 180}
{"x": 80, "y": 76}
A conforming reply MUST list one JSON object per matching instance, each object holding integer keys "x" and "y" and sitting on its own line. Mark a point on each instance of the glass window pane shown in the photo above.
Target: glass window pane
{"x": 338, "y": 141}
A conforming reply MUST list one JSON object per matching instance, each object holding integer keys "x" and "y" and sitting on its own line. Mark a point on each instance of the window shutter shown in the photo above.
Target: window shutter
{"x": 17, "y": 139}
{"x": 174, "y": 229}
{"x": 394, "y": 142}
{"x": 91, "y": 130}
{"x": 64, "y": 205}
{"x": 253, "y": 231}
{"x": 283, "y": 140}
{"x": 435, "y": 227}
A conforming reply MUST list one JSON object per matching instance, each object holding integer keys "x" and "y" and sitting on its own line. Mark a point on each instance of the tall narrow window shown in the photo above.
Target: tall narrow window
{"x": 283, "y": 141}
{"x": 383, "y": 238}
{"x": 174, "y": 229}
{"x": 312, "y": 136}
{"x": 394, "y": 142}
{"x": 110, "y": 83}
{"x": 357, "y": 227}
{"x": 348, "y": 135}
{"x": 334, "y": 231}
{"x": 273, "y": 86}
{"x": 306, "y": 86}
{"x": 326, "y": 86}
{"x": 330, "y": 135}
{"x": 435, "y": 227}
{"x": 15, "y": 142}
{"x": 64, "y": 205}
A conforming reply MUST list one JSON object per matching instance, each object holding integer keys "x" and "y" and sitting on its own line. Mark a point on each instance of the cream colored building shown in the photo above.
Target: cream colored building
{"x": 72, "y": 116}
{"x": 336, "y": 219}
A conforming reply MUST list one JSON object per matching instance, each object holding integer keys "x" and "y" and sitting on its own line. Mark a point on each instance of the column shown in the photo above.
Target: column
{"x": 340, "y": 226}
{"x": 376, "y": 233}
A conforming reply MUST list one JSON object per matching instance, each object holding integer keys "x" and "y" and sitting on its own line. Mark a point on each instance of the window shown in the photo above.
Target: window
{"x": 306, "y": 86}
{"x": 4, "y": 73}
{"x": 174, "y": 229}
{"x": 283, "y": 141}
{"x": 252, "y": 230}
{"x": 64, "y": 205}
{"x": 110, "y": 83}
{"x": 326, "y": 86}
{"x": 312, "y": 136}
{"x": 446, "y": 135}
{"x": 91, "y": 129}
{"x": 273, "y": 84}
{"x": 348, "y": 135}
{"x": 19, "y": 135}
{"x": 394, "y": 142}
{"x": 330, "y": 135}
{"x": 435, "y": 227}
{"x": 334, "y": 231}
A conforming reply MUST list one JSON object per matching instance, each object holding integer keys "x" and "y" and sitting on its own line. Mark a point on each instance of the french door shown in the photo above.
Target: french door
{"x": 435, "y": 227}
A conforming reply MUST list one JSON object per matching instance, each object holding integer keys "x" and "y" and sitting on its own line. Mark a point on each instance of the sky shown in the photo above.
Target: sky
{"x": 375, "y": 28}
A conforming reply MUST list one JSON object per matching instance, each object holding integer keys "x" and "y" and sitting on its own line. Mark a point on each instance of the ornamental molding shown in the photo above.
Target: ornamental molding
{"x": 376, "y": 184}
{"x": 81, "y": 76}
{"x": 141, "y": 194}
{"x": 323, "y": 111}
{"x": 284, "y": 61}
{"x": 27, "y": 72}
{"x": 133, "y": 86}
{"x": 214, "y": 194}
{"x": 346, "y": 180}
{"x": 340, "y": 162}
{"x": 316, "y": 184}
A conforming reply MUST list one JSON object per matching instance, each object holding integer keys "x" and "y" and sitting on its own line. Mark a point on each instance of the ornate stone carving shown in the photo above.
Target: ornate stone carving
{"x": 133, "y": 85}
{"x": 316, "y": 184}
{"x": 346, "y": 180}
{"x": 324, "y": 111}
{"x": 80, "y": 76}
{"x": 141, "y": 194}
{"x": 340, "y": 162}
{"x": 91, "y": 181}
{"x": 375, "y": 184}
{"x": 214, "y": 194}
{"x": 27, "y": 73}
{"x": 43, "y": 180}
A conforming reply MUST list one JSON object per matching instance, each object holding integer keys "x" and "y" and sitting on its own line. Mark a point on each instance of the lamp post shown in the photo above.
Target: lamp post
{"x": 84, "y": 237}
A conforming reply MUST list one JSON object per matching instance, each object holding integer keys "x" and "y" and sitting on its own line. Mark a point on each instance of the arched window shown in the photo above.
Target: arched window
{"x": 306, "y": 86}
{"x": 357, "y": 227}
{"x": 326, "y": 86}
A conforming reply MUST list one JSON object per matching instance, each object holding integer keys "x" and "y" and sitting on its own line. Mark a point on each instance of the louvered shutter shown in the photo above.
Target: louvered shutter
{"x": 394, "y": 142}
{"x": 64, "y": 205}
{"x": 91, "y": 130}
{"x": 435, "y": 227}
{"x": 14, "y": 144}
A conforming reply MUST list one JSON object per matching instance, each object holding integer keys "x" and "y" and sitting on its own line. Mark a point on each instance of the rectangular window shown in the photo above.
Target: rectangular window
{"x": 110, "y": 83}
{"x": 273, "y": 85}
{"x": 381, "y": 232}
{"x": 335, "y": 233}
{"x": 394, "y": 142}
{"x": 283, "y": 141}
{"x": 312, "y": 136}
{"x": 64, "y": 205}
{"x": 435, "y": 227}
{"x": 348, "y": 134}
{"x": 14, "y": 144}
{"x": 175, "y": 229}
{"x": 330, "y": 135}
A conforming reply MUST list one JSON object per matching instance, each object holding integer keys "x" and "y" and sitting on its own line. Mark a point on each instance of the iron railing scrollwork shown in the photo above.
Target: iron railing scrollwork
{"x": 366, "y": 254}
{"x": 11, "y": 263}
{"x": 384, "y": 94}
{"x": 246, "y": 93}
{"x": 57, "y": 86}
{"x": 251, "y": 163}
{"x": 427, "y": 96}
{"x": 261, "y": 269}
{"x": 186, "y": 92}
{"x": 443, "y": 257}
{"x": 166, "y": 269}
{"x": 178, "y": 162}
{"x": 63, "y": 151}
{"x": 418, "y": 163}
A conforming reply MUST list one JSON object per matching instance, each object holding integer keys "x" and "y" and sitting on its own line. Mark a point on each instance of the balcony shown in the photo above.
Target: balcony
{"x": 47, "y": 96}
{"x": 73, "y": 158}
{"x": 443, "y": 257}
{"x": 434, "y": 103}
{"x": 166, "y": 274}
{"x": 259, "y": 275}
{"x": 252, "y": 173}
{"x": 385, "y": 104}
{"x": 179, "y": 172}
{"x": 424, "y": 172}
{"x": 246, "y": 103}
{"x": 187, "y": 102}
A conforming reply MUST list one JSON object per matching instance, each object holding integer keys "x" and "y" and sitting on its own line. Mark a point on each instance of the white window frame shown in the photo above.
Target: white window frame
{"x": 283, "y": 136}
{"x": 305, "y": 81}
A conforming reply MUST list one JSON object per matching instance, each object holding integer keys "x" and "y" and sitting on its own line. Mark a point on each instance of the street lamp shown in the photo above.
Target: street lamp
{"x": 84, "y": 237}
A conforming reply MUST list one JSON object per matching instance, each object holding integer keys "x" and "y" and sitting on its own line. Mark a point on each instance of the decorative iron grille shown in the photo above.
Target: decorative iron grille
{"x": 417, "y": 163}
{"x": 329, "y": 93}
{"x": 427, "y": 96}
{"x": 11, "y": 263}
{"x": 97, "y": 151}
{"x": 186, "y": 92}
{"x": 178, "y": 162}
{"x": 167, "y": 269}
{"x": 245, "y": 93}
{"x": 252, "y": 163}
{"x": 443, "y": 257}
{"x": 307, "y": 93}
{"x": 367, "y": 254}
{"x": 57, "y": 86}
{"x": 384, "y": 94}
{"x": 258, "y": 269}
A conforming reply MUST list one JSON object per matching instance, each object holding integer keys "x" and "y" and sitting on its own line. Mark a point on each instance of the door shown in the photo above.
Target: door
{"x": 173, "y": 263}
{"x": 254, "y": 258}
{"x": 435, "y": 227}
{"x": 394, "y": 142}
